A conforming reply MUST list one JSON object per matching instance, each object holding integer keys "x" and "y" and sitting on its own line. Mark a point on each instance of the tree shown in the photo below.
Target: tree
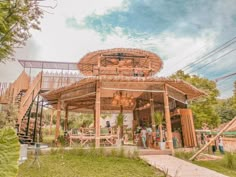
{"x": 204, "y": 109}
{"x": 226, "y": 109}
{"x": 9, "y": 152}
{"x": 158, "y": 117}
{"x": 16, "y": 19}
{"x": 8, "y": 117}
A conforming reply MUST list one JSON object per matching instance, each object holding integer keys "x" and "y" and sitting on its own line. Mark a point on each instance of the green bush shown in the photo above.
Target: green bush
{"x": 229, "y": 160}
{"x": 9, "y": 152}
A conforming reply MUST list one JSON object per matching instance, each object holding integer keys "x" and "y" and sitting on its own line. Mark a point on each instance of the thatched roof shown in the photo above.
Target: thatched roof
{"x": 118, "y": 58}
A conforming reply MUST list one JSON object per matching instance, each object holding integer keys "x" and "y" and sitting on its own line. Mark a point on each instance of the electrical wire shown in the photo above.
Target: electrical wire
{"x": 217, "y": 59}
{"x": 209, "y": 54}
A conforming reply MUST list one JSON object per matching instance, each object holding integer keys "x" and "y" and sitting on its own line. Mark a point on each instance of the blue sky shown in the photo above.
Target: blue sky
{"x": 179, "y": 31}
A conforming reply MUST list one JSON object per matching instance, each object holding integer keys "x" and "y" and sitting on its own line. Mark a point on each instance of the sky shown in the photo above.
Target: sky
{"x": 181, "y": 32}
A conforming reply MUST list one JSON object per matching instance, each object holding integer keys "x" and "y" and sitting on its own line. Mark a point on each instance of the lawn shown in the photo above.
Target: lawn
{"x": 90, "y": 164}
{"x": 220, "y": 166}
{"x": 217, "y": 165}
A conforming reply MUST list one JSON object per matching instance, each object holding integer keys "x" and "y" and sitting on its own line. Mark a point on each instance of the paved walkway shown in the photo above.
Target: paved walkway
{"x": 179, "y": 168}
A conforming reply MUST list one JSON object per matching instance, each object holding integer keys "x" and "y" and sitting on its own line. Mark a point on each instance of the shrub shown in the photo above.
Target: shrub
{"x": 229, "y": 160}
{"x": 9, "y": 152}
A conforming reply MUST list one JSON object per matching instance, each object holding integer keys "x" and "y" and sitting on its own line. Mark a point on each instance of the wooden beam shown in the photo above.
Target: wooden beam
{"x": 57, "y": 133}
{"x": 152, "y": 115}
{"x": 66, "y": 119}
{"x": 133, "y": 90}
{"x": 81, "y": 96}
{"x": 176, "y": 89}
{"x": 97, "y": 115}
{"x": 167, "y": 118}
{"x": 82, "y": 106}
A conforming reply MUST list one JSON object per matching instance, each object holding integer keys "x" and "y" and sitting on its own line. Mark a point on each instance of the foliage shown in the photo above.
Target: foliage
{"x": 9, "y": 152}
{"x": 203, "y": 108}
{"x": 61, "y": 140}
{"x": 226, "y": 109}
{"x": 184, "y": 155}
{"x": 229, "y": 159}
{"x": 120, "y": 119}
{"x": 8, "y": 117}
{"x": 16, "y": 19}
{"x": 219, "y": 166}
{"x": 158, "y": 117}
{"x": 75, "y": 120}
{"x": 88, "y": 163}
{"x": 106, "y": 115}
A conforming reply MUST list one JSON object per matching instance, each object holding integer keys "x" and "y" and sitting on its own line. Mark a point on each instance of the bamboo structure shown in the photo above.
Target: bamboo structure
{"x": 91, "y": 86}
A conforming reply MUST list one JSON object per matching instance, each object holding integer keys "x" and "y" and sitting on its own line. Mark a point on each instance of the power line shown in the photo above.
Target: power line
{"x": 199, "y": 68}
{"x": 224, "y": 77}
{"x": 216, "y": 50}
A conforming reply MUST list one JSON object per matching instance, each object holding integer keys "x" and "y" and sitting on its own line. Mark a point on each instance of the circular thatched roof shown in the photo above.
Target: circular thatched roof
{"x": 120, "y": 58}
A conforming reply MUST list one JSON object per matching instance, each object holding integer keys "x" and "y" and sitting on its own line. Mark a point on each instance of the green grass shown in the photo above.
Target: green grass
{"x": 217, "y": 165}
{"x": 78, "y": 163}
{"x": 220, "y": 166}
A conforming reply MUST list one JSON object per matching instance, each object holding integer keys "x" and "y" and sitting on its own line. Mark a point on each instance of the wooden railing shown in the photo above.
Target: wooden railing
{"x": 56, "y": 80}
{"x": 29, "y": 96}
{"x": 21, "y": 83}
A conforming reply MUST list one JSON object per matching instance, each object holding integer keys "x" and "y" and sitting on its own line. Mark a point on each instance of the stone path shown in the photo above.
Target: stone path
{"x": 179, "y": 168}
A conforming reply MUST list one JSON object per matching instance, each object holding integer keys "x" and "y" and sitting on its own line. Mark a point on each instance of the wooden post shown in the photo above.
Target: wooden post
{"x": 58, "y": 119}
{"x": 97, "y": 115}
{"x": 66, "y": 119}
{"x": 94, "y": 117}
{"x": 167, "y": 118}
{"x": 36, "y": 121}
{"x": 51, "y": 119}
{"x": 152, "y": 115}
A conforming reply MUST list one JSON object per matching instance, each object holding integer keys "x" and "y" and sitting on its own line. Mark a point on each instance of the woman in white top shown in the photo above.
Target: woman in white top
{"x": 221, "y": 145}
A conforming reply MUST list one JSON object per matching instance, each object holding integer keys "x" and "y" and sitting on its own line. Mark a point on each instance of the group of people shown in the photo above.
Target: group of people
{"x": 147, "y": 136}
{"x": 214, "y": 144}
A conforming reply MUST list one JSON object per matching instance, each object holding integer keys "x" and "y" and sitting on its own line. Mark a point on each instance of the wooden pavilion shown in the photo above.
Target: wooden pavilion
{"x": 125, "y": 80}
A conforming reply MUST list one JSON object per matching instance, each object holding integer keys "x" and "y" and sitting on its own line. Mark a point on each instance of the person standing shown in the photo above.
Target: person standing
{"x": 221, "y": 145}
{"x": 144, "y": 137}
{"x": 213, "y": 145}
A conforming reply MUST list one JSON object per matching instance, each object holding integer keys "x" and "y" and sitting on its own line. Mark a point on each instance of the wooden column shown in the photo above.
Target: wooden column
{"x": 51, "y": 119}
{"x": 167, "y": 118}
{"x": 94, "y": 117}
{"x": 58, "y": 119}
{"x": 152, "y": 114}
{"x": 97, "y": 114}
{"x": 66, "y": 119}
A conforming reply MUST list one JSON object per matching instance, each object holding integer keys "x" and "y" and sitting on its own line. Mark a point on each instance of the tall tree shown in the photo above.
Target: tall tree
{"x": 203, "y": 108}
{"x": 226, "y": 109}
{"x": 17, "y": 17}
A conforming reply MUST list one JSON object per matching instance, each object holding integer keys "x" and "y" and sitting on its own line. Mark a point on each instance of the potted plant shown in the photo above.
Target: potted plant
{"x": 158, "y": 117}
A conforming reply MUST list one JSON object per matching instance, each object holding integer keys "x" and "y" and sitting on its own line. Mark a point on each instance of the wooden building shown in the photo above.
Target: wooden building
{"x": 116, "y": 80}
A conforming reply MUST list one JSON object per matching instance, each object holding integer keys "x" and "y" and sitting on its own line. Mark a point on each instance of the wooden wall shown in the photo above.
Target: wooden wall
{"x": 188, "y": 130}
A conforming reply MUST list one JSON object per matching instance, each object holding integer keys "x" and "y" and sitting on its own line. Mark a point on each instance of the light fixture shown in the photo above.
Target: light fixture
{"x": 122, "y": 98}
